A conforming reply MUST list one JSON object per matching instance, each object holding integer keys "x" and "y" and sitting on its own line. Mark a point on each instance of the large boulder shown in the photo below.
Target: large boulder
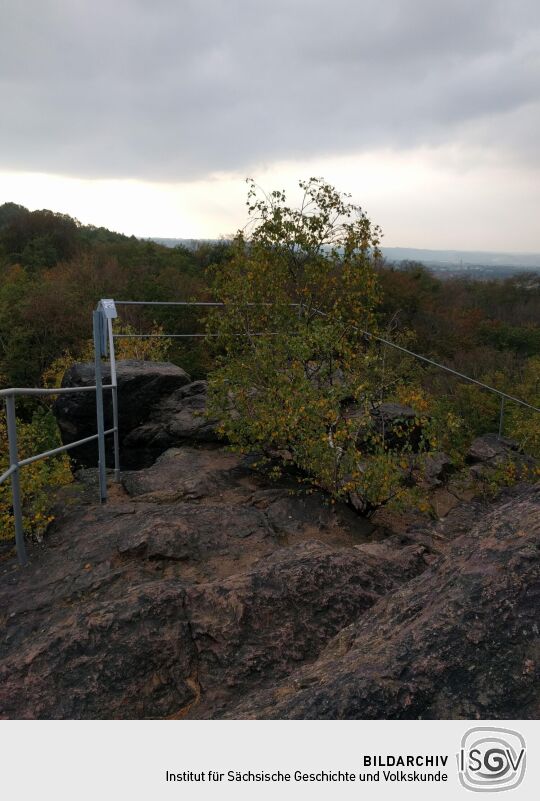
{"x": 141, "y": 387}
{"x": 490, "y": 447}
{"x": 434, "y": 469}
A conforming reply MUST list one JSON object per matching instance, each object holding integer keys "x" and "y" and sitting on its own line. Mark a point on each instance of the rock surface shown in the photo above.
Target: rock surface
{"x": 459, "y": 641}
{"x": 113, "y": 617}
{"x": 490, "y": 446}
{"x": 400, "y": 426}
{"x": 177, "y": 418}
{"x": 436, "y": 468}
{"x": 169, "y": 410}
{"x": 200, "y": 590}
{"x": 490, "y": 452}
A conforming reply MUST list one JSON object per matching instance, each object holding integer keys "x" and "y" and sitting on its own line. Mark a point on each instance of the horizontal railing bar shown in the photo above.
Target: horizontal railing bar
{"x": 8, "y": 472}
{"x": 183, "y": 336}
{"x": 166, "y": 303}
{"x": 191, "y": 303}
{"x": 63, "y": 448}
{"x": 43, "y": 391}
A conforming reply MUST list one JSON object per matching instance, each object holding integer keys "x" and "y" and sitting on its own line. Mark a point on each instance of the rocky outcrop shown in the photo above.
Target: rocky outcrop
{"x": 434, "y": 469}
{"x": 82, "y": 626}
{"x": 459, "y": 641}
{"x": 259, "y": 625}
{"x": 169, "y": 410}
{"x": 201, "y": 590}
{"x": 177, "y": 418}
{"x": 489, "y": 447}
{"x": 490, "y": 452}
{"x": 184, "y": 474}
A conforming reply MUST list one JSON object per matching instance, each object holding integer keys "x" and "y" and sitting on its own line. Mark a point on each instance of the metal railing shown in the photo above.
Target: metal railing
{"x": 104, "y": 338}
{"x": 15, "y": 464}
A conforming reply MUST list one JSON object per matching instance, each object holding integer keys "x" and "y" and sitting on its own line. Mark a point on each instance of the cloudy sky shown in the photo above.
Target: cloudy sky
{"x": 147, "y": 115}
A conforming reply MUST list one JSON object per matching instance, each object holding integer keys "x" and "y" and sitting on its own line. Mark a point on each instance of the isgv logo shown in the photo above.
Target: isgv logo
{"x": 491, "y": 759}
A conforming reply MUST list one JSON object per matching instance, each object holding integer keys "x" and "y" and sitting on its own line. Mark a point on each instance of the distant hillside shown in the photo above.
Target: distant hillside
{"x": 465, "y": 257}
{"x": 192, "y": 244}
{"x": 445, "y": 260}
{"x": 40, "y": 239}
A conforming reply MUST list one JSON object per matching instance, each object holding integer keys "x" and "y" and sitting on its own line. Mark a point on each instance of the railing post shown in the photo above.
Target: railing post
{"x": 15, "y": 483}
{"x": 114, "y": 401}
{"x": 102, "y": 467}
{"x": 501, "y": 419}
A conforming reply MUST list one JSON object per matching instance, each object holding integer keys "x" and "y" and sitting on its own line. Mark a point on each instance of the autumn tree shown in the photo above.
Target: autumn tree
{"x": 296, "y": 374}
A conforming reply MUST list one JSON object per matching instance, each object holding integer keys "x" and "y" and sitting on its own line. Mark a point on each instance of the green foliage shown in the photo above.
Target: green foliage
{"x": 522, "y": 423}
{"x": 297, "y": 380}
{"x": 296, "y": 376}
{"x": 524, "y": 339}
{"x": 8, "y": 212}
{"x": 38, "y": 480}
{"x": 54, "y": 270}
{"x": 38, "y": 238}
{"x": 155, "y": 350}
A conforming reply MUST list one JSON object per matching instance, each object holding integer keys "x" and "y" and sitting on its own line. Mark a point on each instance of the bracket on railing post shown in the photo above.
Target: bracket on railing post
{"x": 98, "y": 353}
{"x": 15, "y": 483}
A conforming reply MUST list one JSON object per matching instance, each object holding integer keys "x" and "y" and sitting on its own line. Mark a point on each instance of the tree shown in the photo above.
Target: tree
{"x": 296, "y": 376}
{"x": 9, "y": 211}
{"x": 38, "y": 239}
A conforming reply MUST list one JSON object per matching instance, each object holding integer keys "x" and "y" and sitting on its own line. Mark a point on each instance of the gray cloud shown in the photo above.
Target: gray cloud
{"x": 175, "y": 90}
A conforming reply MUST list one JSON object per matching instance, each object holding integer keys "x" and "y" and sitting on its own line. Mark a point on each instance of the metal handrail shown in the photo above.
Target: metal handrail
{"x": 46, "y": 391}
{"x": 192, "y": 336}
{"x": 15, "y": 463}
{"x": 191, "y": 303}
{"x": 8, "y": 472}
{"x": 62, "y": 448}
{"x": 454, "y": 372}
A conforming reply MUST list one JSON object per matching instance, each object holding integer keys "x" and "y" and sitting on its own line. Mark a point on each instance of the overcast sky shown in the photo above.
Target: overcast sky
{"x": 146, "y": 115}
